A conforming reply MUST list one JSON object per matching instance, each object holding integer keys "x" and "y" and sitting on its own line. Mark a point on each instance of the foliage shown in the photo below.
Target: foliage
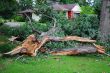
{"x": 86, "y": 26}
{"x": 59, "y": 45}
{"x": 22, "y": 31}
{"x": 8, "y": 8}
{"x": 97, "y": 6}
{"x": 3, "y": 39}
{"x": 45, "y": 10}
{"x": 1, "y": 21}
{"x": 41, "y": 26}
{"x": 6, "y": 47}
{"x": 18, "y": 18}
{"x": 83, "y": 25}
{"x": 87, "y": 10}
{"x": 25, "y": 4}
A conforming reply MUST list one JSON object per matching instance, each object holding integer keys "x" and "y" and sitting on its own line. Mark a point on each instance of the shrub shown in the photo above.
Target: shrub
{"x": 21, "y": 31}
{"x": 24, "y": 30}
{"x": 86, "y": 26}
{"x": 83, "y": 25}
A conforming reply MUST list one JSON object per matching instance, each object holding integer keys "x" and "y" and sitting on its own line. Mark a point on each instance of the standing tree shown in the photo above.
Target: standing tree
{"x": 105, "y": 20}
{"x": 8, "y": 8}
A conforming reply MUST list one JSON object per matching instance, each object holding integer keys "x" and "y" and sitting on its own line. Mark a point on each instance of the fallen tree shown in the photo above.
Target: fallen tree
{"x": 31, "y": 45}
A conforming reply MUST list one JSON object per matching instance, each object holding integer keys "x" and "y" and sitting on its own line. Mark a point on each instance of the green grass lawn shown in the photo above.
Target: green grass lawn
{"x": 56, "y": 64}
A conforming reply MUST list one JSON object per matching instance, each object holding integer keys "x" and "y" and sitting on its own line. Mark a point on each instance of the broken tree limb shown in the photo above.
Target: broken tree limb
{"x": 77, "y": 38}
{"x": 12, "y": 39}
{"x": 44, "y": 40}
{"x": 99, "y": 48}
{"x": 30, "y": 24}
{"x": 27, "y": 47}
{"x": 70, "y": 38}
{"x": 75, "y": 51}
{"x": 14, "y": 51}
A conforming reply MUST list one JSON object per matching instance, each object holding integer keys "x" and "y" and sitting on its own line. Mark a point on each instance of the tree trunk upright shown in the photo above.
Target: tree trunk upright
{"x": 105, "y": 21}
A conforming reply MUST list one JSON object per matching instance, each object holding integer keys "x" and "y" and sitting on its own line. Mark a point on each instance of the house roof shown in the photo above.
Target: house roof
{"x": 63, "y": 6}
{"x": 67, "y": 7}
{"x": 58, "y": 7}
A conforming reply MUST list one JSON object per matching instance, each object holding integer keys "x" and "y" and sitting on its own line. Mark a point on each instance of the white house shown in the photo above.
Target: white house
{"x": 71, "y": 9}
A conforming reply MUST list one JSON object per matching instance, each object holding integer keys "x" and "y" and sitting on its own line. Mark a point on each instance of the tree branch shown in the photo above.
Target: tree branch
{"x": 30, "y": 24}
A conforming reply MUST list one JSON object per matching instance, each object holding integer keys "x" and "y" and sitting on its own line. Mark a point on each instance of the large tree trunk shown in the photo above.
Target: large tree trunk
{"x": 105, "y": 20}
{"x": 80, "y": 50}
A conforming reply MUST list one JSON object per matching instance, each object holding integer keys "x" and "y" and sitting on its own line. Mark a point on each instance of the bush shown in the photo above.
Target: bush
{"x": 83, "y": 25}
{"x": 86, "y": 26}
{"x": 24, "y": 30}
{"x": 21, "y": 31}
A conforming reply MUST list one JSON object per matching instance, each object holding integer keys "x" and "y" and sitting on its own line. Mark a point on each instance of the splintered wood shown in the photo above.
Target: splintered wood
{"x": 76, "y": 38}
{"x": 99, "y": 48}
{"x": 31, "y": 45}
{"x": 70, "y": 38}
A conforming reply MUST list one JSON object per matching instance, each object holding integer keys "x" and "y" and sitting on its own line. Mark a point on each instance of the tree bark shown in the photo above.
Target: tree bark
{"x": 105, "y": 20}
{"x": 80, "y": 50}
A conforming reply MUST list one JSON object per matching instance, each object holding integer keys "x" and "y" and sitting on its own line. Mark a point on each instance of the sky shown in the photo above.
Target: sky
{"x": 91, "y": 2}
